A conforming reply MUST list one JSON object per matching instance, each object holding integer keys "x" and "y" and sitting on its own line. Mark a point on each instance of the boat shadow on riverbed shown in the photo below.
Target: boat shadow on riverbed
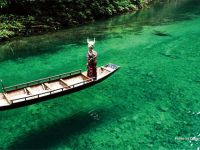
{"x": 61, "y": 131}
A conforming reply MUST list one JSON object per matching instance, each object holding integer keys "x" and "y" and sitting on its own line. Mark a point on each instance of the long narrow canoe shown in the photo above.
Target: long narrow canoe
{"x": 42, "y": 89}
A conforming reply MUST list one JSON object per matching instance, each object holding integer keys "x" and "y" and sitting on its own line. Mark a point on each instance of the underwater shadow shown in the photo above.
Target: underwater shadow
{"x": 54, "y": 134}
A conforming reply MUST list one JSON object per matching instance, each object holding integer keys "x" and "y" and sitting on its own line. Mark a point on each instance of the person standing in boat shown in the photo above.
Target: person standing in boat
{"x": 91, "y": 60}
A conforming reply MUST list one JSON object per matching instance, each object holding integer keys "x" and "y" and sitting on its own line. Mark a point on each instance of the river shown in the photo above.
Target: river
{"x": 151, "y": 102}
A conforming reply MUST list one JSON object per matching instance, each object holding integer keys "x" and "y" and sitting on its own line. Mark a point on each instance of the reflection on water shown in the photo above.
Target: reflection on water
{"x": 165, "y": 12}
{"x": 46, "y": 138}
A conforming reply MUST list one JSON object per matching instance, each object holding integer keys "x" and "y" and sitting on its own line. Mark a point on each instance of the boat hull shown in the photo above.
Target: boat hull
{"x": 61, "y": 93}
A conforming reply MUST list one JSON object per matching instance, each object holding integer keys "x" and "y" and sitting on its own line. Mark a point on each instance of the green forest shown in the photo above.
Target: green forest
{"x": 28, "y": 17}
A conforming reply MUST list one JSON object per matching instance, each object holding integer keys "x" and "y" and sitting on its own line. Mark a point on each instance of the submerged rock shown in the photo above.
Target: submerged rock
{"x": 167, "y": 54}
{"x": 163, "y": 108}
{"x": 160, "y": 33}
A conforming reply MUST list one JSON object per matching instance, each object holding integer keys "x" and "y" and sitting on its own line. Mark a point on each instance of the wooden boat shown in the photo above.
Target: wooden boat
{"x": 42, "y": 89}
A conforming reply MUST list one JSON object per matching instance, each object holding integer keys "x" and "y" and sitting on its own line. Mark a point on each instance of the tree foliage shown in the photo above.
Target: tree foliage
{"x": 3, "y": 3}
{"x": 37, "y": 16}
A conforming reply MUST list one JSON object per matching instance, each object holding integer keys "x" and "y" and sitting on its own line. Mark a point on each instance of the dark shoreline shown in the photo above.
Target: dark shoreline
{"x": 27, "y": 25}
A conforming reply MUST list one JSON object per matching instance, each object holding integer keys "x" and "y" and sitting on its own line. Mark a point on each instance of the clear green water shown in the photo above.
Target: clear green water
{"x": 153, "y": 99}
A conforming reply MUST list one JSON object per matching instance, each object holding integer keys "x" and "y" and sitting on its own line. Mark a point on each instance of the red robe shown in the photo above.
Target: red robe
{"x": 92, "y": 64}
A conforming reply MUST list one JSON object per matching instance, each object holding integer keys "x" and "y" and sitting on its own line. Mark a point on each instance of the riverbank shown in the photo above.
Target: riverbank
{"x": 33, "y": 18}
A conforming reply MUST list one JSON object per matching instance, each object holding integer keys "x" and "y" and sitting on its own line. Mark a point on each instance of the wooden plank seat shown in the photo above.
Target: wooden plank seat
{"x": 65, "y": 84}
{"x": 7, "y": 98}
{"x": 30, "y": 91}
{"x": 107, "y": 69}
{"x": 3, "y": 101}
{"x": 48, "y": 86}
{"x": 85, "y": 77}
{"x": 44, "y": 87}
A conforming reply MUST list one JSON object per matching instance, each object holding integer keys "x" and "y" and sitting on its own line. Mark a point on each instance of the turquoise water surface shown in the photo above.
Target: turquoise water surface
{"x": 152, "y": 102}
